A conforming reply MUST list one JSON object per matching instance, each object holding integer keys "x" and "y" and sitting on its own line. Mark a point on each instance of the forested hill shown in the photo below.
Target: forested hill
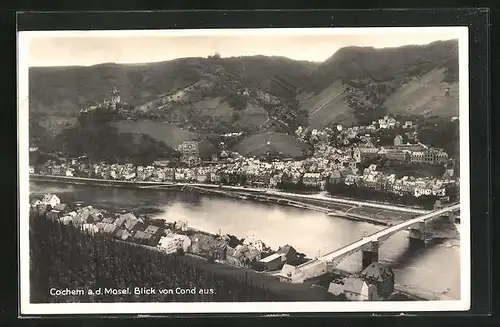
{"x": 62, "y": 256}
{"x": 260, "y": 92}
{"x": 263, "y": 97}
{"x": 361, "y": 84}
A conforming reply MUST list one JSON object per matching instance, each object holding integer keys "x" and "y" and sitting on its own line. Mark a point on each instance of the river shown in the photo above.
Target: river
{"x": 433, "y": 270}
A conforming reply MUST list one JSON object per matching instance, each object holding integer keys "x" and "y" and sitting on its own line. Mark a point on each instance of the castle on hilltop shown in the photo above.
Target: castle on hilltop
{"x": 113, "y": 103}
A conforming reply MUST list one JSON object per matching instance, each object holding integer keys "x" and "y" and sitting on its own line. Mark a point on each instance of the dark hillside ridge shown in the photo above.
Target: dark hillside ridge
{"x": 256, "y": 94}
{"x": 386, "y": 64}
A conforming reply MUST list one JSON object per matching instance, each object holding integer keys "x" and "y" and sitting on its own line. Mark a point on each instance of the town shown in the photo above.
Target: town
{"x": 375, "y": 282}
{"x": 353, "y": 165}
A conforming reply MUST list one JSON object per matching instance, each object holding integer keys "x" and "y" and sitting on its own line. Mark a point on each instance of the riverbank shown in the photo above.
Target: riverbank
{"x": 243, "y": 218}
{"x": 378, "y": 214}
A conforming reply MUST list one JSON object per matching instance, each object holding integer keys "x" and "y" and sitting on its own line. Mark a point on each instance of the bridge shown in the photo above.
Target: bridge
{"x": 369, "y": 245}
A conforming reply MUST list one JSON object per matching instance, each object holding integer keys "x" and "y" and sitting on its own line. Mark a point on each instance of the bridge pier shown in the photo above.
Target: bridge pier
{"x": 450, "y": 217}
{"x": 369, "y": 254}
{"x": 417, "y": 233}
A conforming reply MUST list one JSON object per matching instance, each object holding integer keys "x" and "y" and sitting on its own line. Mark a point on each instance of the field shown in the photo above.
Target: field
{"x": 425, "y": 95}
{"x": 327, "y": 106}
{"x": 259, "y": 144}
{"x": 170, "y": 134}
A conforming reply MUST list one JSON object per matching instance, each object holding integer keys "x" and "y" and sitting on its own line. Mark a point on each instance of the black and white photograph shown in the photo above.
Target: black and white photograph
{"x": 244, "y": 170}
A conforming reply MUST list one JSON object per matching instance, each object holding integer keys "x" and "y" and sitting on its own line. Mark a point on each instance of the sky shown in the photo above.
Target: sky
{"x": 90, "y": 48}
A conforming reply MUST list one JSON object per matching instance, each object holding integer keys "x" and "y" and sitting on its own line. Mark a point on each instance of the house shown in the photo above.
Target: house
{"x": 312, "y": 179}
{"x": 60, "y": 207}
{"x": 65, "y": 220}
{"x": 95, "y": 216}
{"x": 289, "y": 252}
{"x": 335, "y": 289}
{"x": 36, "y": 203}
{"x": 90, "y": 228}
{"x": 356, "y": 289}
{"x": 142, "y": 236}
{"x": 180, "y": 224}
{"x": 368, "y": 152}
{"x": 398, "y": 155}
{"x": 382, "y": 152}
{"x": 161, "y": 163}
{"x": 290, "y": 274}
{"x": 202, "y": 176}
{"x": 80, "y": 218}
{"x": 168, "y": 244}
{"x": 119, "y": 222}
{"x": 336, "y": 177}
{"x": 398, "y": 140}
{"x": 134, "y": 224}
{"x": 220, "y": 250}
{"x": 252, "y": 242}
{"x": 230, "y": 255}
{"x": 108, "y": 220}
{"x": 109, "y": 229}
{"x": 449, "y": 171}
{"x": 153, "y": 230}
{"x": 417, "y": 157}
{"x": 252, "y": 255}
{"x": 273, "y": 262}
{"x": 54, "y": 215}
{"x": 285, "y": 254}
{"x": 128, "y": 216}
{"x": 122, "y": 234}
{"x": 183, "y": 240}
{"x": 380, "y": 276}
{"x": 240, "y": 255}
{"x": 51, "y": 199}
{"x": 236, "y": 256}
{"x": 356, "y": 154}
{"x": 203, "y": 244}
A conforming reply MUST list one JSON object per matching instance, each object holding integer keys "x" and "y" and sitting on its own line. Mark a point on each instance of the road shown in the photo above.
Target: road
{"x": 316, "y": 197}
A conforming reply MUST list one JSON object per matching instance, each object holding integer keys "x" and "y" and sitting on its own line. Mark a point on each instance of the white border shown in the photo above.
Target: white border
{"x": 27, "y": 308}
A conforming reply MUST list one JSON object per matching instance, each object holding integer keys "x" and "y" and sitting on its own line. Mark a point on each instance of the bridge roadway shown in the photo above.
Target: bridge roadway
{"x": 336, "y": 256}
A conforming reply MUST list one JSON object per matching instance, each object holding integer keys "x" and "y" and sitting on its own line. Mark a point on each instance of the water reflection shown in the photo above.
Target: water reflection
{"x": 434, "y": 268}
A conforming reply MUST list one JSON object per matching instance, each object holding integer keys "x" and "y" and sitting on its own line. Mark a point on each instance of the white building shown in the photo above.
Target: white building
{"x": 172, "y": 242}
{"x": 51, "y": 199}
{"x": 168, "y": 244}
{"x": 182, "y": 225}
{"x": 408, "y": 124}
{"x": 356, "y": 289}
{"x": 90, "y": 228}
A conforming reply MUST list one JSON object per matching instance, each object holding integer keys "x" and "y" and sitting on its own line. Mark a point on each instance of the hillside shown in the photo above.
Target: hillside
{"x": 255, "y": 95}
{"x": 271, "y": 143}
{"x": 376, "y": 82}
{"x": 63, "y": 257}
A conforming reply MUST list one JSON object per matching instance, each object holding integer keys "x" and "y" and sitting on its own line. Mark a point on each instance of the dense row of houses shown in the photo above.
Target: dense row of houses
{"x": 407, "y": 185}
{"x": 326, "y": 165}
{"x": 411, "y": 153}
{"x": 172, "y": 239}
{"x": 330, "y": 166}
{"x": 344, "y": 134}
